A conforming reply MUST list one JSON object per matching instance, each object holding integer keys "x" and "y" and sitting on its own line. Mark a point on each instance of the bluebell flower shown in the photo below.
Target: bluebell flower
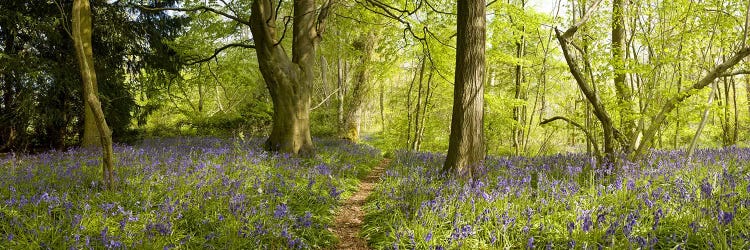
{"x": 530, "y": 243}
{"x": 706, "y": 189}
{"x": 281, "y": 211}
{"x": 428, "y": 237}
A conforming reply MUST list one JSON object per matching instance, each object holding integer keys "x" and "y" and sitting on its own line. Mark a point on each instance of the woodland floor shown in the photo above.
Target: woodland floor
{"x": 349, "y": 218}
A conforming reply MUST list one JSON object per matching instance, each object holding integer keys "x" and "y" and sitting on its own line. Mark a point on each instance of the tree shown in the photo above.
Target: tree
{"x": 289, "y": 80}
{"x": 81, "y": 32}
{"x": 466, "y": 144}
{"x": 361, "y": 89}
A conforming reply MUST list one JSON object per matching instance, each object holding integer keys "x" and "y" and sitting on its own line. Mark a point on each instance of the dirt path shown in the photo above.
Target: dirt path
{"x": 349, "y": 219}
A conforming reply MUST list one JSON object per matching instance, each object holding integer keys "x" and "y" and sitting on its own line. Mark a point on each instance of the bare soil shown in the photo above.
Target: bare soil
{"x": 349, "y": 218}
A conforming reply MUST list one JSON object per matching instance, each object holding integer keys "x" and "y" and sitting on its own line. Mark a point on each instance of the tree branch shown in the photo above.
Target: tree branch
{"x": 684, "y": 94}
{"x": 219, "y": 50}
{"x": 577, "y": 125}
{"x": 572, "y": 30}
{"x": 325, "y": 99}
{"x": 195, "y": 9}
{"x": 738, "y": 72}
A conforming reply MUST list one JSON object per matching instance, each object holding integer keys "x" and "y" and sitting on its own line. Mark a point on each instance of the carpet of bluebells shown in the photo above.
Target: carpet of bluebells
{"x": 560, "y": 202}
{"x": 204, "y": 193}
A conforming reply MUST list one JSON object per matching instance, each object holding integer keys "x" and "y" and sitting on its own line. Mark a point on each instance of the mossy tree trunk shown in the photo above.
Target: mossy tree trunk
{"x": 81, "y": 31}
{"x": 289, "y": 81}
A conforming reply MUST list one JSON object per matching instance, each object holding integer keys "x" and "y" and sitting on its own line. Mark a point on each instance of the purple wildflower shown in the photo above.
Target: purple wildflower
{"x": 281, "y": 211}
{"x": 428, "y": 237}
{"x": 725, "y": 217}
{"x": 706, "y": 189}
{"x": 530, "y": 243}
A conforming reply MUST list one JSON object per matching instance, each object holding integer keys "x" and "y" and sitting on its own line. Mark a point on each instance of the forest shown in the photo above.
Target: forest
{"x": 374, "y": 124}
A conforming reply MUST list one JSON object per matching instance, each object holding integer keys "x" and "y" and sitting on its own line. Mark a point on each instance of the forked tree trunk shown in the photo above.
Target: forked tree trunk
{"x": 289, "y": 82}
{"x": 84, "y": 53}
{"x": 466, "y": 144}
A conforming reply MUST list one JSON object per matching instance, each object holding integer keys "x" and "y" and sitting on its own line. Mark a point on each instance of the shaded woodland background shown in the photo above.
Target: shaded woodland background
{"x": 384, "y": 73}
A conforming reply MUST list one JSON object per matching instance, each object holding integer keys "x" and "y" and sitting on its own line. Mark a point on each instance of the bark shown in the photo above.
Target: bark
{"x": 518, "y": 115}
{"x": 360, "y": 90}
{"x": 289, "y": 81}
{"x": 428, "y": 96}
{"x": 704, "y": 118}
{"x": 82, "y": 38}
{"x": 624, "y": 95}
{"x": 417, "y": 109}
{"x": 91, "y": 135}
{"x": 735, "y": 132}
{"x": 598, "y": 108}
{"x": 466, "y": 148}
{"x": 711, "y": 76}
{"x": 340, "y": 93}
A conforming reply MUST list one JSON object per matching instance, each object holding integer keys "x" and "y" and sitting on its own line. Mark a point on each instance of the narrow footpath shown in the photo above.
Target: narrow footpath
{"x": 349, "y": 218}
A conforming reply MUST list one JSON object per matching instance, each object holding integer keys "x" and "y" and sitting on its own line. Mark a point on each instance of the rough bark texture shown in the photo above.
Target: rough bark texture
{"x": 466, "y": 146}
{"x": 360, "y": 90}
{"x": 82, "y": 38}
{"x": 288, "y": 81}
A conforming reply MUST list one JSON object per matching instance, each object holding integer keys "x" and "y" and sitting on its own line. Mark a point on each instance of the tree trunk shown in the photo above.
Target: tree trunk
{"x": 84, "y": 53}
{"x": 91, "y": 133}
{"x": 735, "y": 132}
{"x": 466, "y": 143}
{"x": 360, "y": 90}
{"x": 518, "y": 115}
{"x": 289, "y": 82}
{"x": 340, "y": 93}
{"x": 704, "y": 118}
{"x": 598, "y": 108}
{"x": 417, "y": 110}
{"x": 624, "y": 95}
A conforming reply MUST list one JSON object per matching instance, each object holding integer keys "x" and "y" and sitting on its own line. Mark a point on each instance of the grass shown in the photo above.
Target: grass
{"x": 663, "y": 201}
{"x": 202, "y": 193}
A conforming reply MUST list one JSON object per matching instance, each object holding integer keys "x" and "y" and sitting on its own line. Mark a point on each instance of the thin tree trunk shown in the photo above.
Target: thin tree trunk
{"x": 417, "y": 109}
{"x": 82, "y": 38}
{"x": 518, "y": 116}
{"x": 340, "y": 95}
{"x": 735, "y": 133}
{"x": 624, "y": 95}
{"x": 409, "y": 102}
{"x": 382, "y": 107}
{"x": 324, "y": 76}
{"x": 704, "y": 118}
{"x": 466, "y": 144}
{"x": 428, "y": 96}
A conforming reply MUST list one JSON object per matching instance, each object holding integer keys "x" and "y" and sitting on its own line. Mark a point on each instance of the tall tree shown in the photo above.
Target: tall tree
{"x": 466, "y": 144}
{"x": 81, "y": 32}
{"x": 289, "y": 80}
{"x": 361, "y": 89}
{"x": 624, "y": 95}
